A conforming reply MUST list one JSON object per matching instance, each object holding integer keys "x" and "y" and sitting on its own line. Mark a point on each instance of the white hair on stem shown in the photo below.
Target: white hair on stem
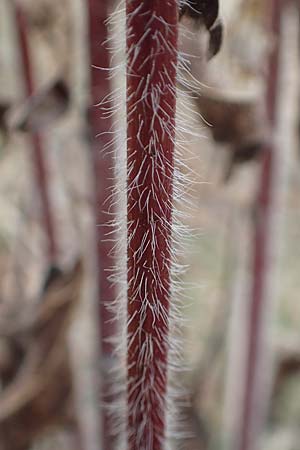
{"x": 162, "y": 123}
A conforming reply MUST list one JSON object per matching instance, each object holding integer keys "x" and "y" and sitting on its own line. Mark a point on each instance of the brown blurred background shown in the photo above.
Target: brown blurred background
{"x": 49, "y": 352}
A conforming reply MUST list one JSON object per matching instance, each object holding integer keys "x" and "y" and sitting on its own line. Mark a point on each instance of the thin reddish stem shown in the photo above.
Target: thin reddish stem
{"x": 151, "y": 103}
{"x": 39, "y": 163}
{"x": 253, "y": 395}
{"x": 103, "y": 160}
{"x": 103, "y": 166}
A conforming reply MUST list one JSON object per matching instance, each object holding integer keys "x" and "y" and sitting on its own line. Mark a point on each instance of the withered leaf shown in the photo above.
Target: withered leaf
{"x": 42, "y": 108}
{"x": 37, "y": 388}
{"x": 243, "y": 153}
{"x": 206, "y": 11}
{"x": 53, "y": 274}
{"x": 4, "y": 107}
{"x": 234, "y": 119}
{"x": 239, "y": 121}
{"x": 215, "y": 39}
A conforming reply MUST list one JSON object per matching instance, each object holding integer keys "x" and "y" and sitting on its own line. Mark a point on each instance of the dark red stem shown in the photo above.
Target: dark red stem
{"x": 103, "y": 166}
{"x": 39, "y": 163}
{"x": 151, "y": 103}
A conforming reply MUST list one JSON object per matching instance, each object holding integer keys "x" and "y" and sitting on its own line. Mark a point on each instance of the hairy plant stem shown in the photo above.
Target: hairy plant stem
{"x": 151, "y": 102}
{"x": 103, "y": 166}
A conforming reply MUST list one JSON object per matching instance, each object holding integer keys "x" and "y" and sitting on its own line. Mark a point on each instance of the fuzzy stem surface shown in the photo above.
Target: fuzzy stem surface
{"x": 103, "y": 167}
{"x": 152, "y": 32}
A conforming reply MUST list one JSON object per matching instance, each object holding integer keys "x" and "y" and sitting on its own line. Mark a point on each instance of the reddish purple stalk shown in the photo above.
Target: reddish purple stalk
{"x": 253, "y": 395}
{"x": 151, "y": 103}
{"x": 103, "y": 164}
{"x": 39, "y": 163}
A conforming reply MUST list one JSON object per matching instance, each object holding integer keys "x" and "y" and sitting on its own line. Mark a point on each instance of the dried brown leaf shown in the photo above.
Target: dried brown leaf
{"x": 215, "y": 39}
{"x": 42, "y": 108}
{"x": 206, "y": 11}
{"x": 38, "y": 394}
{"x": 240, "y": 122}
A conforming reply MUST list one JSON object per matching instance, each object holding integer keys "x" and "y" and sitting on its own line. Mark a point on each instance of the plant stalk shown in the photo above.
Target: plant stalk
{"x": 39, "y": 163}
{"x": 103, "y": 167}
{"x": 152, "y": 28}
{"x": 255, "y": 391}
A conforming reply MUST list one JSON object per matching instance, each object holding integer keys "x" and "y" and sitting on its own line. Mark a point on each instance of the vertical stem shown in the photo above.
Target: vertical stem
{"x": 103, "y": 166}
{"x": 151, "y": 103}
{"x": 254, "y": 407}
{"x": 39, "y": 163}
